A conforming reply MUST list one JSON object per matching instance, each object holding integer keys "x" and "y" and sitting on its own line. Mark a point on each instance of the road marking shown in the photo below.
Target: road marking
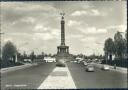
{"x": 58, "y": 81}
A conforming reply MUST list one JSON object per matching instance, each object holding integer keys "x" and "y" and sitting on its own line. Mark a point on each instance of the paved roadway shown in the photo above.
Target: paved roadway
{"x": 29, "y": 78}
{"x": 97, "y": 79}
{"x": 32, "y": 77}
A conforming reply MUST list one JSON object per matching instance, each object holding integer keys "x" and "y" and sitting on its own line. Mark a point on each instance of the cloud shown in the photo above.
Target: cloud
{"x": 89, "y": 12}
{"x": 76, "y": 36}
{"x": 55, "y": 32}
{"x": 120, "y": 28}
{"x": 15, "y": 11}
{"x": 49, "y": 31}
{"x": 92, "y": 30}
{"x": 22, "y": 6}
{"x": 73, "y": 23}
{"x": 102, "y": 31}
{"x": 7, "y": 39}
{"x": 42, "y": 36}
{"x": 95, "y": 12}
{"x": 28, "y": 20}
{"x": 79, "y": 13}
{"x": 49, "y": 35}
{"x": 89, "y": 39}
{"x": 40, "y": 28}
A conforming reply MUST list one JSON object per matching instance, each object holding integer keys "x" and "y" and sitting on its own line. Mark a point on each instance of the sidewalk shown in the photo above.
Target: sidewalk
{"x": 60, "y": 78}
{"x": 9, "y": 69}
{"x": 119, "y": 69}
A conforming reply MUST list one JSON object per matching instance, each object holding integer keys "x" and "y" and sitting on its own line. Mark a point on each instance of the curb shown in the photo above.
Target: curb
{"x": 4, "y": 70}
{"x": 119, "y": 69}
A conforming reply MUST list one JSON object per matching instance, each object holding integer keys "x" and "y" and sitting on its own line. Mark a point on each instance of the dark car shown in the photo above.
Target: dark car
{"x": 61, "y": 63}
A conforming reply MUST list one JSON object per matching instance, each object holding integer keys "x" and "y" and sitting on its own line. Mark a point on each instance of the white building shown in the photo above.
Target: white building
{"x": 49, "y": 59}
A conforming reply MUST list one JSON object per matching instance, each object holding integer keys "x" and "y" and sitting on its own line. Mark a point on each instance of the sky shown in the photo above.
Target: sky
{"x": 35, "y": 26}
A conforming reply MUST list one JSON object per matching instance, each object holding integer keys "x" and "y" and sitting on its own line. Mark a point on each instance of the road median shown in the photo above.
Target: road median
{"x": 59, "y": 78}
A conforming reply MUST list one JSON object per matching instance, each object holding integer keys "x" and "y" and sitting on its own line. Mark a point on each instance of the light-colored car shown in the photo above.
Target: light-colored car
{"x": 90, "y": 68}
{"x": 75, "y": 61}
{"x": 85, "y": 63}
{"x": 105, "y": 67}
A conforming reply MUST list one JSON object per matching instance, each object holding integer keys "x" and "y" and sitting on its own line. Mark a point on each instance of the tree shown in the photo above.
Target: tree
{"x": 32, "y": 56}
{"x": 19, "y": 56}
{"x": 126, "y": 44}
{"x": 120, "y": 45}
{"x": 25, "y": 55}
{"x": 9, "y": 51}
{"x": 109, "y": 48}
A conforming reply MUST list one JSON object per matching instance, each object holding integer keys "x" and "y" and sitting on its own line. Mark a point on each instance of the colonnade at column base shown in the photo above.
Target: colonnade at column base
{"x": 65, "y": 56}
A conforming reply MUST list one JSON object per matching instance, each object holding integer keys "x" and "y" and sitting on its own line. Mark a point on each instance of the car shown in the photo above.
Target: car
{"x": 82, "y": 61}
{"x": 61, "y": 63}
{"x": 71, "y": 61}
{"x": 105, "y": 67}
{"x": 85, "y": 63}
{"x": 90, "y": 68}
{"x": 78, "y": 61}
{"x": 75, "y": 61}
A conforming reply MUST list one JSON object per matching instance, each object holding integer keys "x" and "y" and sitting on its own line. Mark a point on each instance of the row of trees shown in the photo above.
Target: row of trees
{"x": 10, "y": 54}
{"x": 116, "y": 47}
{"x": 93, "y": 56}
{"x": 9, "y": 51}
{"x": 33, "y": 55}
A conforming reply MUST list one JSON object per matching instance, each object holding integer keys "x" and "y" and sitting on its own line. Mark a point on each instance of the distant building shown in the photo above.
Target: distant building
{"x": 27, "y": 60}
{"x": 49, "y": 59}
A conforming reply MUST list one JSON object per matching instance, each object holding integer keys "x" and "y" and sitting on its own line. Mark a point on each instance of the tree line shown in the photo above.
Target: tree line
{"x": 116, "y": 47}
{"x": 10, "y": 54}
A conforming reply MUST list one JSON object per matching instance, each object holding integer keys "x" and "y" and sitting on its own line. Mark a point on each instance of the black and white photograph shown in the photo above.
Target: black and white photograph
{"x": 63, "y": 44}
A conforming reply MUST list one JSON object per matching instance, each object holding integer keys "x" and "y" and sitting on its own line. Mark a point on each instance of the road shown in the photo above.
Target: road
{"x": 32, "y": 77}
{"x": 29, "y": 78}
{"x": 97, "y": 79}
